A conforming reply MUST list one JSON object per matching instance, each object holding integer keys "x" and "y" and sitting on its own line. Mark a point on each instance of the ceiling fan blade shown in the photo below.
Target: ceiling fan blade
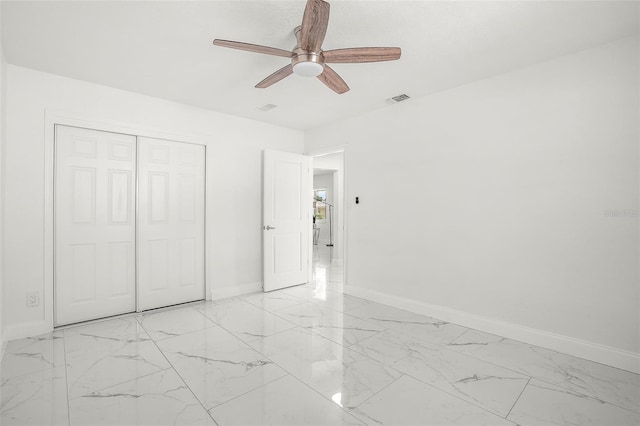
{"x": 276, "y": 77}
{"x": 361, "y": 54}
{"x": 333, "y": 80}
{"x": 314, "y": 25}
{"x": 253, "y": 48}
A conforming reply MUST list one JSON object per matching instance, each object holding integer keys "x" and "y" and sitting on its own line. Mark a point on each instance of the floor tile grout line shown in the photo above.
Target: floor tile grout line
{"x": 479, "y": 358}
{"x": 247, "y": 345}
{"x": 459, "y": 336}
{"x": 257, "y": 293}
{"x": 120, "y": 383}
{"x": 518, "y": 399}
{"x": 546, "y": 349}
{"x": 308, "y": 302}
{"x": 256, "y": 338}
{"x": 271, "y": 335}
{"x": 241, "y": 341}
{"x": 325, "y": 398}
{"x": 288, "y": 373}
{"x": 213, "y": 407}
{"x": 66, "y": 377}
{"x": 239, "y": 298}
{"x": 365, "y": 339}
{"x": 40, "y": 370}
{"x": 308, "y": 386}
{"x": 311, "y": 329}
{"x": 475, "y": 404}
{"x": 272, "y": 312}
{"x": 430, "y": 384}
{"x": 69, "y": 399}
{"x": 537, "y": 377}
{"x": 527, "y": 374}
{"x": 546, "y": 381}
{"x": 317, "y": 391}
{"x": 214, "y": 324}
{"x": 302, "y": 301}
{"x": 381, "y": 389}
{"x": 423, "y": 339}
{"x": 171, "y": 366}
{"x": 440, "y": 347}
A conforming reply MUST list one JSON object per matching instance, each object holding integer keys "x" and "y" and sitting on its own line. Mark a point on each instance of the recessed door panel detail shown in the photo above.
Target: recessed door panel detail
{"x": 187, "y": 190}
{"x": 119, "y": 196}
{"x": 171, "y": 223}
{"x": 158, "y": 264}
{"x": 94, "y": 228}
{"x": 287, "y": 249}
{"x": 188, "y": 262}
{"x": 287, "y": 191}
{"x": 83, "y": 187}
{"x": 84, "y": 146}
{"x": 83, "y": 264}
{"x": 121, "y": 267}
{"x": 159, "y": 154}
{"x": 188, "y": 156}
{"x": 120, "y": 151}
{"x": 158, "y": 197}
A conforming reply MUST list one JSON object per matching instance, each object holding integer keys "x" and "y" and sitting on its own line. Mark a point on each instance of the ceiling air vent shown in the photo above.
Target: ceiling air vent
{"x": 267, "y": 107}
{"x": 396, "y": 99}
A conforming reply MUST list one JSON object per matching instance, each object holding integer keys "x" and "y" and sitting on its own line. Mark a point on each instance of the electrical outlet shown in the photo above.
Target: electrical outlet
{"x": 33, "y": 299}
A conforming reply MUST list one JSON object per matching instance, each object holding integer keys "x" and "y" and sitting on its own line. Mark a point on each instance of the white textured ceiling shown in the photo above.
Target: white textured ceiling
{"x": 164, "y": 49}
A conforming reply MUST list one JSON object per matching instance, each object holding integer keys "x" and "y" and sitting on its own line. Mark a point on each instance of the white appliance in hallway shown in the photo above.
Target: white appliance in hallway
{"x": 286, "y": 215}
{"x": 99, "y": 224}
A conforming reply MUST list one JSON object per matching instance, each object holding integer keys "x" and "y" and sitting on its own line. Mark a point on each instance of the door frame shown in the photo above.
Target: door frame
{"x": 344, "y": 208}
{"x": 65, "y": 118}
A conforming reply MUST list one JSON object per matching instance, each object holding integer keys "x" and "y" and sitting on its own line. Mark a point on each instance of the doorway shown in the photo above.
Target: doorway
{"x": 328, "y": 224}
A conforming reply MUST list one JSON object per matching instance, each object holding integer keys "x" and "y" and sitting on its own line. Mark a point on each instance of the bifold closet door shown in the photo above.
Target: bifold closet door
{"x": 94, "y": 224}
{"x": 171, "y": 178}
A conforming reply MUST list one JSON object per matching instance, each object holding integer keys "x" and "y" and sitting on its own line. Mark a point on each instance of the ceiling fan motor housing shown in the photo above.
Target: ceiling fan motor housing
{"x": 307, "y": 64}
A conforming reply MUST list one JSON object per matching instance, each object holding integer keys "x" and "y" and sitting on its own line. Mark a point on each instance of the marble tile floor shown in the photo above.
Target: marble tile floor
{"x": 308, "y": 355}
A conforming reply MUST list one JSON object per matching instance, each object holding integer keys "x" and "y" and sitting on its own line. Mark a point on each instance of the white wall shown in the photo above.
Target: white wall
{"x": 234, "y": 181}
{"x": 3, "y": 86}
{"x": 319, "y": 182}
{"x": 491, "y": 203}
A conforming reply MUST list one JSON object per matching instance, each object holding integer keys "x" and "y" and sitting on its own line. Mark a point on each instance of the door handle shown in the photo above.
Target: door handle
{"x": 268, "y": 228}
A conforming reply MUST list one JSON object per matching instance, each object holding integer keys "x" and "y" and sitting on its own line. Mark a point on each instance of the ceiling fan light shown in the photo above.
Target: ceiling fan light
{"x": 308, "y": 69}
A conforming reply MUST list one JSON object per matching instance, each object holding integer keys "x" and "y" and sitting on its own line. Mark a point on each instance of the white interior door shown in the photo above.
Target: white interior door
{"x": 286, "y": 219}
{"x": 171, "y": 203}
{"x": 94, "y": 224}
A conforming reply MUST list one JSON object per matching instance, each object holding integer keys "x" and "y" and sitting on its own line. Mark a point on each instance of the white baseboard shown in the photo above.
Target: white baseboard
{"x": 236, "y": 290}
{"x": 608, "y": 355}
{"x": 3, "y": 346}
{"x": 27, "y": 329}
{"x": 35, "y": 328}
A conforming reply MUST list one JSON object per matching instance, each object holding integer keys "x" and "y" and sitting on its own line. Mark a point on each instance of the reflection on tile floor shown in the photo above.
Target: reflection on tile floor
{"x": 308, "y": 355}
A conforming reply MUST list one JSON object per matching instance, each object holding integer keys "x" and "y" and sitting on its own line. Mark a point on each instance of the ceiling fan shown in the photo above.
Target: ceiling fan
{"x": 307, "y": 58}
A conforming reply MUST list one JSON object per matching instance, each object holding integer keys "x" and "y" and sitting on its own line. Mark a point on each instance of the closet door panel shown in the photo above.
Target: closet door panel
{"x": 94, "y": 224}
{"x": 171, "y": 223}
